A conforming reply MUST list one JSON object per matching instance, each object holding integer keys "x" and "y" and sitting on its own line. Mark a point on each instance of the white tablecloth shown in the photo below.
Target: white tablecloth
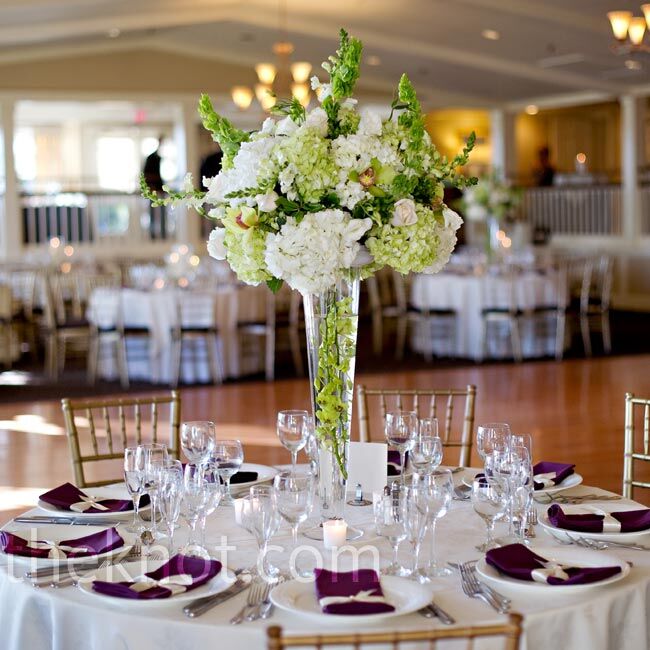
{"x": 613, "y": 617}
{"x": 156, "y": 310}
{"x": 468, "y": 296}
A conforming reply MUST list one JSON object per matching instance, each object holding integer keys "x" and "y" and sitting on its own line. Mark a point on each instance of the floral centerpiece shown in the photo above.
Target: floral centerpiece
{"x": 319, "y": 199}
{"x": 492, "y": 197}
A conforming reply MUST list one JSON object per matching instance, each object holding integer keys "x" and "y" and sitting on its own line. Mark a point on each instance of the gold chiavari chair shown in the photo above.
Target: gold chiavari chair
{"x": 437, "y": 399}
{"x": 108, "y": 428}
{"x": 630, "y": 455}
{"x": 509, "y": 633}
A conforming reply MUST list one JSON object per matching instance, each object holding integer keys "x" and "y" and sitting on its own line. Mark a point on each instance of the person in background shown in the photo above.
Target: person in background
{"x": 211, "y": 165}
{"x": 546, "y": 172}
{"x": 151, "y": 168}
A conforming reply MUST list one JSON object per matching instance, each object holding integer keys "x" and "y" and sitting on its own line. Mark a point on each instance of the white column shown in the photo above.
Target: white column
{"x": 502, "y": 138}
{"x": 187, "y": 142}
{"x": 10, "y": 229}
{"x": 631, "y": 143}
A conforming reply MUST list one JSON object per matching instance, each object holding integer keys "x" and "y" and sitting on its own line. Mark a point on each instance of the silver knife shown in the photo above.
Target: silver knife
{"x": 68, "y": 521}
{"x": 441, "y": 614}
{"x": 202, "y": 605}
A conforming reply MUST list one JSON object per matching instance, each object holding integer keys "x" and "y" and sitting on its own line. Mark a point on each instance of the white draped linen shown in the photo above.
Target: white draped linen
{"x": 156, "y": 311}
{"x": 613, "y": 617}
{"x": 468, "y": 295}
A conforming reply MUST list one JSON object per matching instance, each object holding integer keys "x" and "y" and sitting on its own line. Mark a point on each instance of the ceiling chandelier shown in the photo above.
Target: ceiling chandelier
{"x": 281, "y": 79}
{"x": 629, "y": 30}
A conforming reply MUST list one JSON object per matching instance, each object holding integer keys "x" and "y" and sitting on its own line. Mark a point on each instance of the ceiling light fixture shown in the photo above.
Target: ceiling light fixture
{"x": 491, "y": 34}
{"x": 631, "y": 64}
{"x": 629, "y": 30}
{"x": 532, "y": 109}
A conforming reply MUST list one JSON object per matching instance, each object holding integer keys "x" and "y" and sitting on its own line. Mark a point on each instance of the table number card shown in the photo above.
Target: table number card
{"x": 367, "y": 464}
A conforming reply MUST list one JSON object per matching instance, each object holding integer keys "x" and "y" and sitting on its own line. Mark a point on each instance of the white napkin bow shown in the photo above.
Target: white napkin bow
{"x": 177, "y": 584}
{"x": 550, "y": 570}
{"x": 360, "y": 597}
{"x": 86, "y": 503}
{"x": 547, "y": 479}
{"x": 610, "y": 525}
{"x": 57, "y": 551}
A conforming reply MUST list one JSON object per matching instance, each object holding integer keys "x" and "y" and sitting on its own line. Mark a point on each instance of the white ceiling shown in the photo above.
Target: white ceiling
{"x": 548, "y": 48}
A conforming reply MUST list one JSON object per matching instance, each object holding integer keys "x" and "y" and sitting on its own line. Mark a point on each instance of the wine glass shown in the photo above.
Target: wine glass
{"x": 197, "y": 440}
{"x": 195, "y": 497}
{"x": 170, "y": 497}
{"x": 438, "y": 490}
{"x": 260, "y": 517}
{"x": 293, "y": 430}
{"x": 426, "y": 454}
{"x": 489, "y": 501}
{"x": 215, "y": 494}
{"x": 401, "y": 428}
{"x": 294, "y": 496}
{"x": 390, "y": 523}
{"x": 428, "y": 427}
{"x": 492, "y": 437}
{"x": 134, "y": 480}
{"x": 416, "y": 520}
{"x": 227, "y": 458}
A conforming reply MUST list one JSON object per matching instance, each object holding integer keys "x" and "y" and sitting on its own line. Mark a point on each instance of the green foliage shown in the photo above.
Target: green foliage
{"x": 171, "y": 197}
{"x": 344, "y": 66}
{"x": 228, "y": 136}
{"x": 274, "y": 284}
{"x": 291, "y": 107}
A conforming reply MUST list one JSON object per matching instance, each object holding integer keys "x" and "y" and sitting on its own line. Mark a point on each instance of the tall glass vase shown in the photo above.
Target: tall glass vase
{"x": 332, "y": 320}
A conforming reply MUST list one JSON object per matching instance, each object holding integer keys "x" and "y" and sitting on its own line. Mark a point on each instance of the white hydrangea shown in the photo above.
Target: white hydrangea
{"x": 317, "y": 119}
{"x": 370, "y": 123}
{"x": 311, "y": 255}
{"x": 447, "y": 240}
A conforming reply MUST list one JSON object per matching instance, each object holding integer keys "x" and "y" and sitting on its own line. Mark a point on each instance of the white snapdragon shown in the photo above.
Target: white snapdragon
{"x": 322, "y": 90}
{"x": 404, "y": 213}
{"x": 311, "y": 255}
{"x": 452, "y": 219}
{"x": 216, "y": 247}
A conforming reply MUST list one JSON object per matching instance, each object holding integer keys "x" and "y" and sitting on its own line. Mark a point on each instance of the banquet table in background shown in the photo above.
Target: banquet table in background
{"x": 611, "y": 617}
{"x": 469, "y": 295}
{"x": 156, "y": 310}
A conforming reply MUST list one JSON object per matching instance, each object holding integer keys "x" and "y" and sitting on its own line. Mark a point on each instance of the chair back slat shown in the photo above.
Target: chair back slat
{"x": 93, "y": 433}
{"x": 154, "y": 422}
{"x": 138, "y": 423}
{"x": 629, "y": 454}
{"x": 109, "y": 433}
{"x": 646, "y": 428}
{"x": 448, "y": 417}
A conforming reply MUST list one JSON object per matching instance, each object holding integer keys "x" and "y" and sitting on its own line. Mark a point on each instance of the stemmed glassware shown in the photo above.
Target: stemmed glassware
{"x": 494, "y": 436}
{"x": 170, "y": 497}
{"x": 227, "y": 458}
{"x": 195, "y": 497}
{"x": 134, "y": 480}
{"x": 490, "y": 502}
{"x": 294, "y": 496}
{"x": 428, "y": 427}
{"x": 214, "y": 496}
{"x": 426, "y": 454}
{"x": 293, "y": 430}
{"x": 401, "y": 428}
{"x": 197, "y": 440}
{"x": 390, "y": 522}
{"x": 311, "y": 447}
{"x": 154, "y": 458}
{"x": 261, "y": 518}
{"x": 416, "y": 520}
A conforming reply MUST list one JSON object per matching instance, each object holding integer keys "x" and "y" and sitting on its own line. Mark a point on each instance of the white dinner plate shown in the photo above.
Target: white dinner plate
{"x": 56, "y": 533}
{"x": 299, "y": 597}
{"x": 129, "y": 570}
{"x": 564, "y": 534}
{"x": 573, "y": 556}
{"x": 106, "y": 492}
{"x": 265, "y": 474}
{"x": 569, "y": 482}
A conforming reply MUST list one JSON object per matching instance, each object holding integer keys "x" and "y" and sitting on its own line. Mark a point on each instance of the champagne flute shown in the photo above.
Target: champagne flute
{"x": 390, "y": 523}
{"x": 155, "y": 456}
{"x": 416, "y": 519}
{"x": 170, "y": 498}
{"x": 489, "y": 501}
{"x": 261, "y": 518}
{"x": 134, "y": 480}
{"x": 197, "y": 440}
{"x": 195, "y": 496}
{"x": 228, "y": 456}
{"x": 400, "y": 429}
{"x": 215, "y": 494}
{"x": 293, "y": 430}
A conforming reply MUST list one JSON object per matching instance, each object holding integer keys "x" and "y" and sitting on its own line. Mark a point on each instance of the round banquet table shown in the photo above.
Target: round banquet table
{"x": 611, "y": 617}
{"x": 468, "y": 295}
{"x": 155, "y": 310}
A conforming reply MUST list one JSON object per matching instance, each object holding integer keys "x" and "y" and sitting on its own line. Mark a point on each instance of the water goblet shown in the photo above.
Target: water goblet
{"x": 293, "y": 430}
{"x": 400, "y": 429}
{"x": 426, "y": 454}
{"x": 134, "y": 480}
{"x": 489, "y": 501}
{"x": 491, "y": 437}
{"x": 197, "y": 440}
{"x": 260, "y": 517}
{"x": 390, "y": 523}
{"x": 227, "y": 458}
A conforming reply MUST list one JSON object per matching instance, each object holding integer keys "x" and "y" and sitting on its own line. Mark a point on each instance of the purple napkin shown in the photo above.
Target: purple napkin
{"x": 361, "y": 584}
{"x": 394, "y": 467}
{"x": 95, "y": 544}
{"x": 243, "y": 477}
{"x": 562, "y": 470}
{"x": 518, "y": 561}
{"x": 631, "y": 520}
{"x": 198, "y": 569}
{"x": 65, "y": 495}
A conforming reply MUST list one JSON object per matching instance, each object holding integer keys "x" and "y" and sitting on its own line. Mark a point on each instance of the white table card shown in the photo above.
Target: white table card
{"x": 367, "y": 464}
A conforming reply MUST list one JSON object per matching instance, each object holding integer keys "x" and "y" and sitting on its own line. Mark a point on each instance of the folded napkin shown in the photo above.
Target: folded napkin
{"x": 243, "y": 477}
{"x": 350, "y": 593}
{"x": 69, "y": 497}
{"x": 518, "y": 561}
{"x": 182, "y": 573}
{"x": 394, "y": 467}
{"x": 546, "y": 475}
{"x": 599, "y": 521}
{"x": 102, "y": 542}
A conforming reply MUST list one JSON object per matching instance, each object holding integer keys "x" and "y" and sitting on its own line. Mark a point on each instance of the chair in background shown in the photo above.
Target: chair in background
{"x": 426, "y": 403}
{"x": 264, "y": 329}
{"x": 109, "y": 432}
{"x": 288, "y": 320}
{"x": 509, "y": 633}
{"x": 6, "y": 327}
{"x": 24, "y": 318}
{"x": 196, "y": 320}
{"x": 632, "y": 405}
{"x": 594, "y": 302}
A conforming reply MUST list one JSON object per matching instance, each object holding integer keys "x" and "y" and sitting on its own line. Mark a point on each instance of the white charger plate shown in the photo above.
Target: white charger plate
{"x": 56, "y": 533}
{"x": 299, "y": 597}
{"x": 130, "y": 570}
{"x": 106, "y": 492}
{"x": 265, "y": 474}
{"x": 569, "y": 482}
{"x": 565, "y": 534}
{"x": 573, "y": 556}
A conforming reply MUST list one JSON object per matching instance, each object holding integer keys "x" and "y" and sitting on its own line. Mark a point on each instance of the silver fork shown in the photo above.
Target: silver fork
{"x": 599, "y": 545}
{"x": 470, "y": 566}
{"x": 468, "y": 577}
{"x": 256, "y": 611}
{"x": 253, "y": 599}
{"x": 267, "y": 606}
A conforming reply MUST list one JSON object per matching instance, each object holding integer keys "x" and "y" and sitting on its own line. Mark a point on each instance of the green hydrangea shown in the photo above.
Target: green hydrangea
{"x": 406, "y": 248}
{"x": 245, "y": 254}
